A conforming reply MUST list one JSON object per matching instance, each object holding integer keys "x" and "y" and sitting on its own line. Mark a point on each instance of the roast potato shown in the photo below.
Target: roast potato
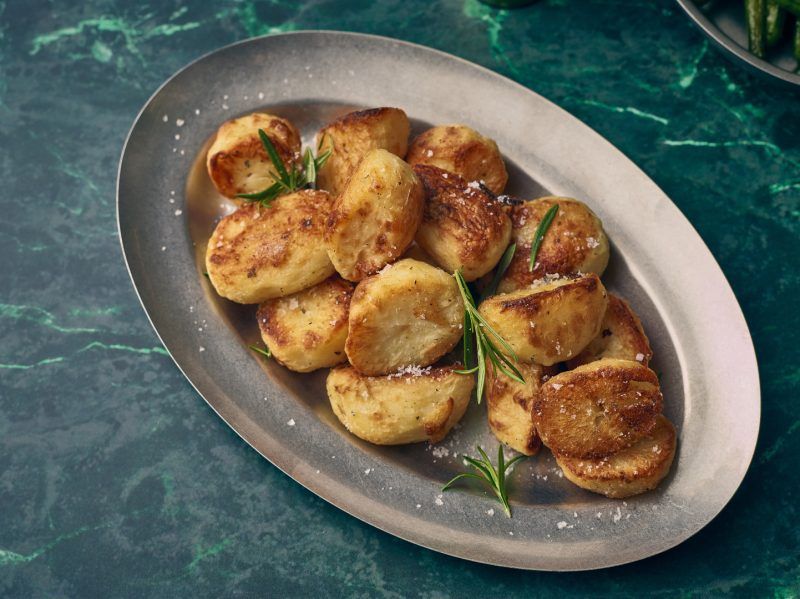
{"x": 422, "y": 404}
{"x": 307, "y": 330}
{"x": 258, "y": 253}
{"x": 463, "y": 151}
{"x": 509, "y": 405}
{"x": 237, "y": 162}
{"x": 551, "y": 321}
{"x": 462, "y": 226}
{"x": 598, "y": 408}
{"x": 574, "y": 242}
{"x": 631, "y": 471}
{"x": 621, "y": 336}
{"x": 350, "y": 137}
{"x": 375, "y": 218}
{"x": 410, "y": 313}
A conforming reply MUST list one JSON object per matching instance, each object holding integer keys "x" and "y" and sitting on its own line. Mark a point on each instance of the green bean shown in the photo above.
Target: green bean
{"x": 775, "y": 20}
{"x": 793, "y": 6}
{"x": 797, "y": 43}
{"x": 755, "y": 11}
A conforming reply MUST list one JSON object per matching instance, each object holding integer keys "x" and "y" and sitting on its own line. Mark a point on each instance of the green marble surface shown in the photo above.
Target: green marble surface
{"x": 116, "y": 479}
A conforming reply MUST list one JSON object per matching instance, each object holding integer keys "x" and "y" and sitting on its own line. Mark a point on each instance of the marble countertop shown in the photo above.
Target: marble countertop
{"x": 116, "y": 479}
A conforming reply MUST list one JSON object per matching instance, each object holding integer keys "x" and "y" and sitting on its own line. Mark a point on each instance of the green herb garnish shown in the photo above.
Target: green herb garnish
{"x": 264, "y": 352}
{"x": 286, "y": 181}
{"x": 486, "y": 473}
{"x": 540, "y": 232}
{"x": 502, "y": 267}
{"x": 475, "y": 326}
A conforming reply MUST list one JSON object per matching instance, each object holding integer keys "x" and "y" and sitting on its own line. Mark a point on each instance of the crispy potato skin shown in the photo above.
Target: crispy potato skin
{"x": 259, "y": 253}
{"x": 509, "y": 406}
{"x": 621, "y": 336}
{"x": 598, "y": 408}
{"x": 549, "y": 322}
{"x": 350, "y": 137}
{"x": 307, "y": 330}
{"x": 408, "y": 314}
{"x": 376, "y": 217}
{"x": 631, "y": 471}
{"x": 574, "y": 242}
{"x": 463, "y": 151}
{"x": 399, "y": 409}
{"x": 237, "y": 161}
{"x": 462, "y": 226}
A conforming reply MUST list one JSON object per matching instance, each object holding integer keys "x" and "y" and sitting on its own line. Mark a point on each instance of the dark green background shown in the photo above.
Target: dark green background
{"x": 116, "y": 479}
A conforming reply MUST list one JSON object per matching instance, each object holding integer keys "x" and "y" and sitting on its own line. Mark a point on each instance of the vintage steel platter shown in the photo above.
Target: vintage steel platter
{"x": 167, "y": 208}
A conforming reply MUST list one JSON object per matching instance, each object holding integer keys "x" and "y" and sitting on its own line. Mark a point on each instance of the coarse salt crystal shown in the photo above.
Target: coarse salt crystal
{"x": 179, "y": 122}
{"x": 165, "y": 118}
{"x": 178, "y": 212}
{"x": 490, "y": 511}
{"x": 639, "y": 357}
{"x": 617, "y": 516}
{"x": 294, "y": 304}
{"x": 561, "y": 525}
{"x": 556, "y": 386}
{"x": 164, "y": 248}
{"x": 202, "y": 348}
{"x": 429, "y": 153}
{"x": 290, "y": 422}
{"x": 438, "y": 500}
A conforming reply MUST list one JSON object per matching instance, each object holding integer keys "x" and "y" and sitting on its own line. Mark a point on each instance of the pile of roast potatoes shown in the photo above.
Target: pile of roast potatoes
{"x": 356, "y": 275}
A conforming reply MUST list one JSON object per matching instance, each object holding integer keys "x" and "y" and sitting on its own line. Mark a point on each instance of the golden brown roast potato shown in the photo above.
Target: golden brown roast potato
{"x": 621, "y": 336}
{"x": 375, "y": 218}
{"x": 350, "y": 137}
{"x": 307, "y": 330}
{"x": 463, "y": 151}
{"x": 462, "y": 226}
{"x": 550, "y": 321}
{"x": 574, "y": 242}
{"x": 422, "y": 404}
{"x": 598, "y": 408}
{"x": 509, "y": 405}
{"x": 237, "y": 162}
{"x": 410, "y": 313}
{"x": 631, "y": 471}
{"x": 258, "y": 253}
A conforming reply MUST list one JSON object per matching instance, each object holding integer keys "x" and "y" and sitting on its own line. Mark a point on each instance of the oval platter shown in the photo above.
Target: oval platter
{"x": 167, "y": 208}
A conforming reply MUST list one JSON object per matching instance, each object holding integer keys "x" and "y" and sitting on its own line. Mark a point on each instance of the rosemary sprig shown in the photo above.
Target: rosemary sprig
{"x": 540, "y": 233}
{"x": 475, "y": 326}
{"x": 264, "y": 352}
{"x": 502, "y": 267}
{"x": 486, "y": 473}
{"x": 286, "y": 181}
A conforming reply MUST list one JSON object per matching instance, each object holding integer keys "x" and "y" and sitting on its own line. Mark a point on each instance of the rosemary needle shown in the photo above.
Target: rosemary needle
{"x": 538, "y": 236}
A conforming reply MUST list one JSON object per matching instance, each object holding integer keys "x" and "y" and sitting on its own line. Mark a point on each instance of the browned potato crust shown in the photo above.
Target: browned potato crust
{"x": 461, "y": 150}
{"x": 598, "y": 408}
{"x": 462, "y": 226}
{"x": 550, "y": 321}
{"x": 307, "y": 330}
{"x": 375, "y": 218}
{"x": 258, "y": 253}
{"x": 621, "y": 336}
{"x": 350, "y": 137}
{"x": 574, "y": 242}
{"x": 237, "y": 162}
{"x": 421, "y": 405}
{"x": 410, "y": 313}
{"x": 631, "y": 471}
{"x": 509, "y": 405}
